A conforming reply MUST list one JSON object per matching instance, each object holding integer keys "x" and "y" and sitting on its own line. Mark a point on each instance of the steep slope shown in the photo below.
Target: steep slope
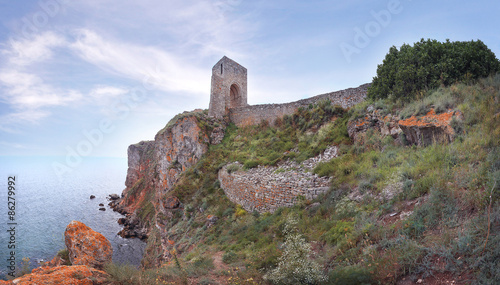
{"x": 396, "y": 210}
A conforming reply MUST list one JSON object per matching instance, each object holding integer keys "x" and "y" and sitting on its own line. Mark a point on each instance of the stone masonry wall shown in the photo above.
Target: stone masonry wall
{"x": 266, "y": 188}
{"x": 227, "y": 74}
{"x": 252, "y": 115}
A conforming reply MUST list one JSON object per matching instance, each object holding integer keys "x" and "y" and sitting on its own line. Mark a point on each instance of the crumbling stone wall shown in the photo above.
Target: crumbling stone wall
{"x": 266, "y": 188}
{"x": 252, "y": 115}
{"x": 229, "y": 87}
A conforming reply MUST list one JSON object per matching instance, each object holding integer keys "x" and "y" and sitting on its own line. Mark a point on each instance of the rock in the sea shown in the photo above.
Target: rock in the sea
{"x": 114, "y": 197}
{"x": 74, "y": 275}
{"x": 102, "y": 209}
{"x": 132, "y": 227}
{"x": 92, "y": 196}
{"x": 86, "y": 246}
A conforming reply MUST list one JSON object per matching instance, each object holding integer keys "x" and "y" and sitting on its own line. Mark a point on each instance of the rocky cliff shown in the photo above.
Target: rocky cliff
{"x": 154, "y": 167}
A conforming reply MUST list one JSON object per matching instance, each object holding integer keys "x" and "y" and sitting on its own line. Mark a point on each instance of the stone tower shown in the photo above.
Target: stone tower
{"x": 229, "y": 87}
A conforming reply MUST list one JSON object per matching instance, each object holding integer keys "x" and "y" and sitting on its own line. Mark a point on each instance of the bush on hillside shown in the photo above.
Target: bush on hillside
{"x": 428, "y": 64}
{"x": 295, "y": 265}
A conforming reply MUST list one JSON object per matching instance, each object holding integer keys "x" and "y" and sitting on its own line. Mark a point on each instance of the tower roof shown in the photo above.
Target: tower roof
{"x": 226, "y": 59}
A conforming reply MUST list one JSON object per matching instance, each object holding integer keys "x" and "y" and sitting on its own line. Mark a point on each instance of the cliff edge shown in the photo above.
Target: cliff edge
{"x": 154, "y": 167}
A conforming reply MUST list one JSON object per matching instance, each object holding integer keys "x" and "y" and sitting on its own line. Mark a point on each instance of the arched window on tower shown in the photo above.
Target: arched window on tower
{"x": 221, "y": 68}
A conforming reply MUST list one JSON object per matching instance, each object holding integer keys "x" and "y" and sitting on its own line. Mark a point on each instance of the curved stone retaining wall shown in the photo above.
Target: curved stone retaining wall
{"x": 266, "y": 188}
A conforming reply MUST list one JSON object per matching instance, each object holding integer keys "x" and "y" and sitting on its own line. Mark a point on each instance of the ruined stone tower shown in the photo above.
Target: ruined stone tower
{"x": 229, "y": 87}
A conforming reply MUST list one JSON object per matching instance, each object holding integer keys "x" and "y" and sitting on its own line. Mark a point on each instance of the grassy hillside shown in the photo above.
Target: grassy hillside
{"x": 394, "y": 212}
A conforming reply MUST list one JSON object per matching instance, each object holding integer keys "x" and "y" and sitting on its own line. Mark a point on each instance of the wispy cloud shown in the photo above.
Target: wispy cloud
{"x": 28, "y": 91}
{"x": 102, "y": 93}
{"x": 13, "y": 145}
{"x": 9, "y": 122}
{"x": 196, "y": 27}
{"x": 160, "y": 68}
{"x": 25, "y": 51}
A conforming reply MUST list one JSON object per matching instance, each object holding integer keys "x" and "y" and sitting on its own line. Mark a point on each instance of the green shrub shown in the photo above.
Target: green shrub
{"x": 488, "y": 264}
{"x": 407, "y": 71}
{"x": 250, "y": 164}
{"x": 122, "y": 274}
{"x": 199, "y": 266}
{"x": 229, "y": 257}
{"x": 340, "y": 232}
{"x": 64, "y": 254}
{"x": 207, "y": 281}
{"x": 232, "y": 168}
{"x": 295, "y": 265}
{"x": 351, "y": 275}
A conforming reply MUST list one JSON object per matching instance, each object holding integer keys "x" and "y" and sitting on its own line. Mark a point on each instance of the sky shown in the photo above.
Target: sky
{"x": 89, "y": 78}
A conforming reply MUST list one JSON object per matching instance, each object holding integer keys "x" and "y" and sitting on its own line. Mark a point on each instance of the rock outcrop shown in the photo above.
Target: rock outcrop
{"x": 133, "y": 227}
{"x": 432, "y": 127}
{"x": 385, "y": 124}
{"x": 418, "y": 130}
{"x": 86, "y": 246}
{"x": 74, "y": 275}
{"x": 154, "y": 166}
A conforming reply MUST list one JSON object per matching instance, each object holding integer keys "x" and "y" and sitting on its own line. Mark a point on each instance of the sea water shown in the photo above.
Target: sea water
{"x": 47, "y": 201}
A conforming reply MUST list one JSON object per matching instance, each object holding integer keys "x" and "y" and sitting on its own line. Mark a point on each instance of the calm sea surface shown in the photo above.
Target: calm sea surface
{"x": 46, "y": 204}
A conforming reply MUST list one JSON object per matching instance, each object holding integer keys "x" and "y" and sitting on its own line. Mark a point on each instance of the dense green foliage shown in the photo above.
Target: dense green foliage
{"x": 428, "y": 64}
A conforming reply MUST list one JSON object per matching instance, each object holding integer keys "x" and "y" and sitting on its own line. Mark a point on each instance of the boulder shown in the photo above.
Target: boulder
{"x": 75, "y": 275}
{"x": 387, "y": 125}
{"x": 114, "y": 197}
{"x": 102, "y": 209}
{"x": 86, "y": 246}
{"x": 211, "y": 220}
{"x": 430, "y": 128}
{"x": 171, "y": 202}
{"x": 101, "y": 205}
{"x": 92, "y": 196}
{"x": 132, "y": 227}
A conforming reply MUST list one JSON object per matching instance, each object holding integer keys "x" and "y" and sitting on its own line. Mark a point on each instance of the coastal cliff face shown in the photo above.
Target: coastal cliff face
{"x": 154, "y": 167}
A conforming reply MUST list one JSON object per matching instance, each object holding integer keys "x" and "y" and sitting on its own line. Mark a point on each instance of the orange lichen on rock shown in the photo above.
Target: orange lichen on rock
{"x": 75, "y": 275}
{"x": 361, "y": 123}
{"x": 86, "y": 246}
{"x": 430, "y": 128}
{"x": 430, "y": 119}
